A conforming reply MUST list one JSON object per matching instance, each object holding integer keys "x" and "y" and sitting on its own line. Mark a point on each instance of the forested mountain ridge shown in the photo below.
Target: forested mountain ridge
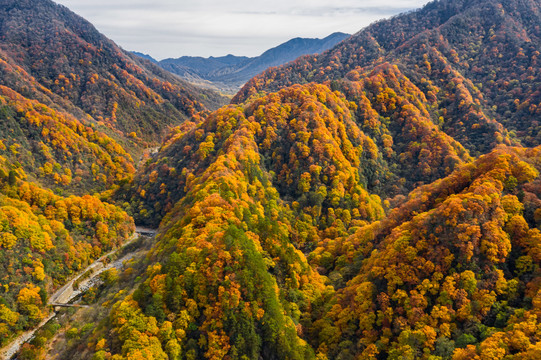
{"x": 45, "y": 239}
{"x": 484, "y": 52}
{"x": 390, "y": 156}
{"x": 75, "y": 104}
{"x": 67, "y": 55}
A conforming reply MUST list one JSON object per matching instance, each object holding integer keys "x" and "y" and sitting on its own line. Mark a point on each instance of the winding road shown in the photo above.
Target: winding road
{"x": 66, "y": 293}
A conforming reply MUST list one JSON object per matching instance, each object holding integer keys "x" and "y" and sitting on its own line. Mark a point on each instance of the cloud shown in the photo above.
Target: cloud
{"x": 173, "y": 28}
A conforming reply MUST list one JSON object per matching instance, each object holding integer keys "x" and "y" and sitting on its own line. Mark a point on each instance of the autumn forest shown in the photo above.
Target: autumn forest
{"x": 381, "y": 200}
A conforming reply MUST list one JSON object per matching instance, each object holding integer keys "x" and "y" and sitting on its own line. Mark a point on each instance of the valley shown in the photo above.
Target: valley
{"x": 377, "y": 200}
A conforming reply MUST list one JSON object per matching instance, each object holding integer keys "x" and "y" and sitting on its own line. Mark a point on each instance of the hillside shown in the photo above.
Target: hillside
{"x": 145, "y": 56}
{"x": 480, "y": 58}
{"x": 388, "y": 156}
{"x": 72, "y": 100}
{"x": 45, "y": 239}
{"x": 231, "y": 72}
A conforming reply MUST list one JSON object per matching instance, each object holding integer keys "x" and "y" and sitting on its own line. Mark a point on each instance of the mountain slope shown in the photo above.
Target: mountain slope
{"x": 481, "y": 57}
{"x": 234, "y": 71}
{"x": 66, "y": 54}
{"x": 243, "y": 195}
{"x": 45, "y": 239}
{"x": 145, "y": 56}
{"x": 452, "y": 272}
{"x": 390, "y": 156}
{"x": 203, "y": 67}
{"x": 55, "y": 65}
{"x": 245, "y": 207}
{"x": 444, "y": 271}
{"x": 73, "y": 106}
{"x": 56, "y": 149}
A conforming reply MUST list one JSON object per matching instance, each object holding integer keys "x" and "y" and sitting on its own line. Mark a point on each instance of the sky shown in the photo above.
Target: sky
{"x": 174, "y": 28}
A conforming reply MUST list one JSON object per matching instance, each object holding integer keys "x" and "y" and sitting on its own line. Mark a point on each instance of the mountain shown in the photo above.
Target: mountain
{"x": 480, "y": 57}
{"x": 378, "y": 201}
{"x": 203, "y": 66}
{"x": 383, "y": 210}
{"x": 391, "y": 157}
{"x": 445, "y": 273}
{"x": 74, "y": 104}
{"x": 231, "y": 72}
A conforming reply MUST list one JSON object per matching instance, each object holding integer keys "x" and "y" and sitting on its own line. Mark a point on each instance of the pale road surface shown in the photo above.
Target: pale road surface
{"x": 66, "y": 293}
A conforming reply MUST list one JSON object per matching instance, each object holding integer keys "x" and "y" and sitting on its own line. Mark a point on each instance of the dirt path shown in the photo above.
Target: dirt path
{"x": 67, "y": 293}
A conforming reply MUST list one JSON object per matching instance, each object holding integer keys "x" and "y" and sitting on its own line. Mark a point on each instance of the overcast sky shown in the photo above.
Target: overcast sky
{"x": 173, "y": 28}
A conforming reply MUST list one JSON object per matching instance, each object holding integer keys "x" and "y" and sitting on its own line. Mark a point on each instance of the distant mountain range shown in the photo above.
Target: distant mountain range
{"x": 229, "y": 73}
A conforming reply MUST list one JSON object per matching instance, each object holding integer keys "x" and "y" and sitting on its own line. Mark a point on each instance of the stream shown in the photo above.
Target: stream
{"x": 66, "y": 293}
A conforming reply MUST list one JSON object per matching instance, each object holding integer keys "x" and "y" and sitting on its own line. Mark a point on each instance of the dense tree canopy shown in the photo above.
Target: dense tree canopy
{"x": 45, "y": 238}
{"x": 378, "y": 201}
